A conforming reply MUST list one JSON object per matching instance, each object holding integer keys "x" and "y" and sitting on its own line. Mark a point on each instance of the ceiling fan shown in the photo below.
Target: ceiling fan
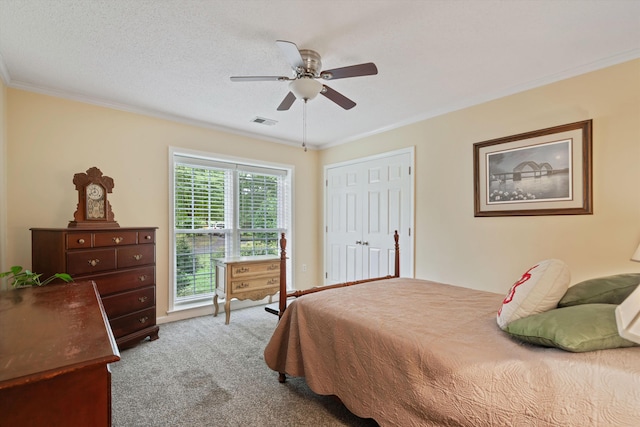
{"x": 307, "y": 66}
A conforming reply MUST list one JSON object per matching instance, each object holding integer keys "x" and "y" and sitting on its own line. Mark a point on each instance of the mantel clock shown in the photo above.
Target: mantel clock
{"x": 94, "y": 210}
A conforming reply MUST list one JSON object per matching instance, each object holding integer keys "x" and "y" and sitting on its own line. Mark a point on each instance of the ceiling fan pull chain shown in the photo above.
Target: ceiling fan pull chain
{"x": 304, "y": 125}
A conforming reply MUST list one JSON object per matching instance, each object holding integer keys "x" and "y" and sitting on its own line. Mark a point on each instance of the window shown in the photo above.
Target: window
{"x": 222, "y": 209}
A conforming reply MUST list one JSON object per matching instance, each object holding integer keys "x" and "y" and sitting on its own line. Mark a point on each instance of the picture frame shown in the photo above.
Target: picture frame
{"x": 543, "y": 172}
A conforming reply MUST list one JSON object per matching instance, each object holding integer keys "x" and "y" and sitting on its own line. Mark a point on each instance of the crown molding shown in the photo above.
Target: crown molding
{"x": 4, "y": 72}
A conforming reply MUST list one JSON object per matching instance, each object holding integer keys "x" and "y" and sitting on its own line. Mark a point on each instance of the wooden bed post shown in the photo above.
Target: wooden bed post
{"x": 283, "y": 276}
{"x": 282, "y": 377}
{"x": 396, "y": 236}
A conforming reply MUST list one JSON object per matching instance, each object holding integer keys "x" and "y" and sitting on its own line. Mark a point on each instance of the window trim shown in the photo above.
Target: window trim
{"x": 210, "y": 158}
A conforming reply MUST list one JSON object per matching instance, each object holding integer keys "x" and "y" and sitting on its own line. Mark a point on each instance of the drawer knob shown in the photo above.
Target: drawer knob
{"x": 147, "y": 237}
{"x": 242, "y": 270}
{"x": 143, "y": 319}
{"x": 137, "y": 257}
{"x": 273, "y": 267}
{"x": 93, "y": 262}
{"x": 81, "y": 241}
{"x": 243, "y": 285}
{"x": 142, "y": 278}
{"x": 117, "y": 240}
{"x": 142, "y": 299}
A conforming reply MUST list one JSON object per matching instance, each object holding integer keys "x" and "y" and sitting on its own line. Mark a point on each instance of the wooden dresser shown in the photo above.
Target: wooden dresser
{"x": 55, "y": 350}
{"x": 253, "y": 278}
{"x": 121, "y": 261}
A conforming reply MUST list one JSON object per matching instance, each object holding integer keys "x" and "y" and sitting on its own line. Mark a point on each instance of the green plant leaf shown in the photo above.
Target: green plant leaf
{"x": 18, "y": 278}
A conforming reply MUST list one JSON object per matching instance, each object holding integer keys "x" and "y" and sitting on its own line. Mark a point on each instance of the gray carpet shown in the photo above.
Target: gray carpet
{"x": 202, "y": 372}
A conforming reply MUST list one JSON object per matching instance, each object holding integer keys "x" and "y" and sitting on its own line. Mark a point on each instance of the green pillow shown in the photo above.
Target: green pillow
{"x": 603, "y": 290}
{"x": 580, "y": 328}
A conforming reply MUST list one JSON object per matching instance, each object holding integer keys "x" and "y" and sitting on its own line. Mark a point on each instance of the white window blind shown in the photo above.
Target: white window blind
{"x": 200, "y": 197}
{"x": 220, "y": 210}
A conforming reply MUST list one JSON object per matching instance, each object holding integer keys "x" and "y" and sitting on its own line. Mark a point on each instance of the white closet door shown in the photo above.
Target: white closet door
{"x": 366, "y": 202}
{"x": 345, "y": 188}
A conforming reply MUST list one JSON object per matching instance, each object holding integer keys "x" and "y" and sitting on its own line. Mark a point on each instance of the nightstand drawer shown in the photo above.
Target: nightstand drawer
{"x": 133, "y": 322}
{"x": 238, "y": 286}
{"x": 83, "y": 262}
{"x": 255, "y": 269}
{"x": 132, "y": 256}
{"x": 127, "y": 302}
{"x": 110, "y": 283}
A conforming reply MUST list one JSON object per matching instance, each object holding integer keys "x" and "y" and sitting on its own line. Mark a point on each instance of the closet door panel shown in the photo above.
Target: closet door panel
{"x": 366, "y": 202}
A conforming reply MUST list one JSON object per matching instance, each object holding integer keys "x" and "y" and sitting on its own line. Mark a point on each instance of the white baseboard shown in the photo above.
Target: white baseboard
{"x": 206, "y": 309}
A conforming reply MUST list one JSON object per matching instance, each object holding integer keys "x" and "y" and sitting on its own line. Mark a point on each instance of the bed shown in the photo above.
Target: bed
{"x": 411, "y": 352}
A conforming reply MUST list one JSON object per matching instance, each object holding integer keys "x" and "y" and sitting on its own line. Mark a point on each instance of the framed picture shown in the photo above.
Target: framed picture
{"x": 544, "y": 172}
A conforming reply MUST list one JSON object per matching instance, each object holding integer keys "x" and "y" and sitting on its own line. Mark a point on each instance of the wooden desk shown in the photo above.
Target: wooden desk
{"x": 55, "y": 347}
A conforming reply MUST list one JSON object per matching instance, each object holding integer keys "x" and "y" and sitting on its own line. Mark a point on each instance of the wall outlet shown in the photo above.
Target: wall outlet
{"x": 304, "y": 268}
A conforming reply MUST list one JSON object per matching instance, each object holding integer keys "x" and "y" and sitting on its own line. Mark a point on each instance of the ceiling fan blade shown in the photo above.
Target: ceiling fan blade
{"x": 287, "y": 102}
{"x": 259, "y": 78}
{"x": 337, "y": 97}
{"x": 291, "y": 52}
{"x": 367, "y": 69}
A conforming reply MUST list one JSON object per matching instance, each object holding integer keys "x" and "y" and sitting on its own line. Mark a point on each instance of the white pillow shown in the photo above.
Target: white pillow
{"x": 539, "y": 289}
{"x": 627, "y": 317}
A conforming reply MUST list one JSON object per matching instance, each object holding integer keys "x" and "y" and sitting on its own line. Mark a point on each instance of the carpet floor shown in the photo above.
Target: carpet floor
{"x": 202, "y": 372}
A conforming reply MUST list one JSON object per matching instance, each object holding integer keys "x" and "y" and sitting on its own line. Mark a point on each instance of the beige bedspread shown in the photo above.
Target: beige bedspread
{"x": 409, "y": 352}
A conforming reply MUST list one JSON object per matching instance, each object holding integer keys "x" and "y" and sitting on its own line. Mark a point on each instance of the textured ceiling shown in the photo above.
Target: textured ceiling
{"x": 173, "y": 58}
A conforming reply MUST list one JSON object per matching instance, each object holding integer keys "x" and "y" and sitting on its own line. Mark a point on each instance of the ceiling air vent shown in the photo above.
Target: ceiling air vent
{"x": 263, "y": 121}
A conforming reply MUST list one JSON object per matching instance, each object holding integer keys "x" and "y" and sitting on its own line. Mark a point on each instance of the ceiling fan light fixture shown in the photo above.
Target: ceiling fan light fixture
{"x": 305, "y": 88}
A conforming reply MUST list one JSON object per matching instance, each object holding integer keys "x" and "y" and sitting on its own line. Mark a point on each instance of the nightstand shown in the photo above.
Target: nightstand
{"x": 254, "y": 278}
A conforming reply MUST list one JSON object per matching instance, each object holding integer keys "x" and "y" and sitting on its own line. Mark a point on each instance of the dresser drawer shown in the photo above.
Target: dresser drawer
{"x": 109, "y": 283}
{"x": 84, "y": 262}
{"x": 79, "y": 240}
{"x": 132, "y": 256}
{"x": 146, "y": 236}
{"x": 254, "y": 269}
{"x": 133, "y": 322}
{"x": 238, "y": 286}
{"x": 115, "y": 238}
{"x": 128, "y": 302}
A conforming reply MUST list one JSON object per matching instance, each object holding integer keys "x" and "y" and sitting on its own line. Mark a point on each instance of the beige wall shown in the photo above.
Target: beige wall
{"x": 50, "y": 139}
{"x": 453, "y": 246}
{"x": 3, "y": 171}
